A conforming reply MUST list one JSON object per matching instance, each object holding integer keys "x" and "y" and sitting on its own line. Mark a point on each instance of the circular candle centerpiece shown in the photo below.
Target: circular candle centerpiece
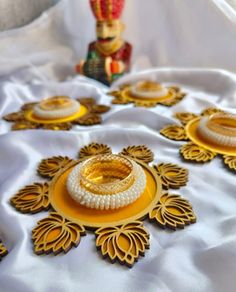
{"x": 148, "y": 89}
{"x": 106, "y": 182}
{"x": 219, "y": 128}
{"x": 56, "y": 107}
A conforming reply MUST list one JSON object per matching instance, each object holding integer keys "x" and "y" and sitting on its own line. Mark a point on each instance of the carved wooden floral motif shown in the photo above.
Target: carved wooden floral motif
{"x": 192, "y": 151}
{"x": 119, "y": 97}
{"x": 92, "y": 117}
{"x": 3, "y": 251}
{"x": 124, "y": 242}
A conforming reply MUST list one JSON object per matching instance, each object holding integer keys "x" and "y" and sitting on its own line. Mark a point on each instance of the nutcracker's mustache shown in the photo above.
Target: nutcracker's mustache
{"x": 104, "y": 40}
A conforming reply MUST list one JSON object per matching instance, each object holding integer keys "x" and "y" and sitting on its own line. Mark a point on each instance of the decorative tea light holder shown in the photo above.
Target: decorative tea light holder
{"x": 57, "y": 113}
{"x": 3, "y": 251}
{"x": 211, "y": 133}
{"x": 111, "y": 194}
{"x": 147, "y": 94}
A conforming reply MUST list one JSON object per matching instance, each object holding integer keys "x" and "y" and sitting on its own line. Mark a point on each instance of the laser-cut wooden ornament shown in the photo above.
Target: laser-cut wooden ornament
{"x": 3, "y": 251}
{"x": 197, "y": 149}
{"x": 124, "y": 96}
{"x": 120, "y": 234}
{"x": 88, "y": 115}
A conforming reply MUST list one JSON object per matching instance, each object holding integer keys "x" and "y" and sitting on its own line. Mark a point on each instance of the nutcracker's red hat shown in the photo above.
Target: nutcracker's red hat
{"x": 107, "y": 9}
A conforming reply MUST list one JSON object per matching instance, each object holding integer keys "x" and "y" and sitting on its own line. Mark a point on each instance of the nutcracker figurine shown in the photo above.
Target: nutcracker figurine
{"x": 109, "y": 56}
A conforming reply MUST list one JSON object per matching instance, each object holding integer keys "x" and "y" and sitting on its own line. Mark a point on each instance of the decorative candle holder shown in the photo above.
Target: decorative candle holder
{"x": 57, "y": 113}
{"x": 211, "y": 133}
{"x": 147, "y": 94}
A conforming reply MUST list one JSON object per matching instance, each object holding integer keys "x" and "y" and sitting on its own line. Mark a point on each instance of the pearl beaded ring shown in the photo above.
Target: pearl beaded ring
{"x": 148, "y": 89}
{"x": 220, "y": 128}
{"x": 106, "y": 182}
{"x": 56, "y": 107}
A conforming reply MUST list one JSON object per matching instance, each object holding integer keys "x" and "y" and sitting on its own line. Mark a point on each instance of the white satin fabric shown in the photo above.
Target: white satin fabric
{"x": 200, "y": 258}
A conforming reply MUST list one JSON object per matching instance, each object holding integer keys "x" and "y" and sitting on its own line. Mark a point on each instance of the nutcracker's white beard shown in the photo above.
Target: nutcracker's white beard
{"x": 16, "y": 13}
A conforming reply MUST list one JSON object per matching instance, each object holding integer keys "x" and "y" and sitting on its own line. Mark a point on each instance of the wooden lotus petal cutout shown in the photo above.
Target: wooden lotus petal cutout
{"x": 210, "y": 111}
{"x": 94, "y": 149}
{"x": 174, "y": 132}
{"x": 32, "y": 199}
{"x": 177, "y": 97}
{"x": 172, "y": 176}
{"x": 86, "y": 101}
{"x": 3, "y": 251}
{"x": 100, "y": 109}
{"x": 172, "y": 211}
{"x": 230, "y": 161}
{"x": 55, "y": 234}
{"x": 14, "y": 117}
{"x": 88, "y": 120}
{"x": 196, "y": 153}
{"x": 125, "y": 243}
{"x": 140, "y": 152}
{"x": 24, "y": 125}
{"x": 185, "y": 117}
{"x": 28, "y": 106}
{"x": 51, "y": 166}
{"x": 58, "y": 126}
